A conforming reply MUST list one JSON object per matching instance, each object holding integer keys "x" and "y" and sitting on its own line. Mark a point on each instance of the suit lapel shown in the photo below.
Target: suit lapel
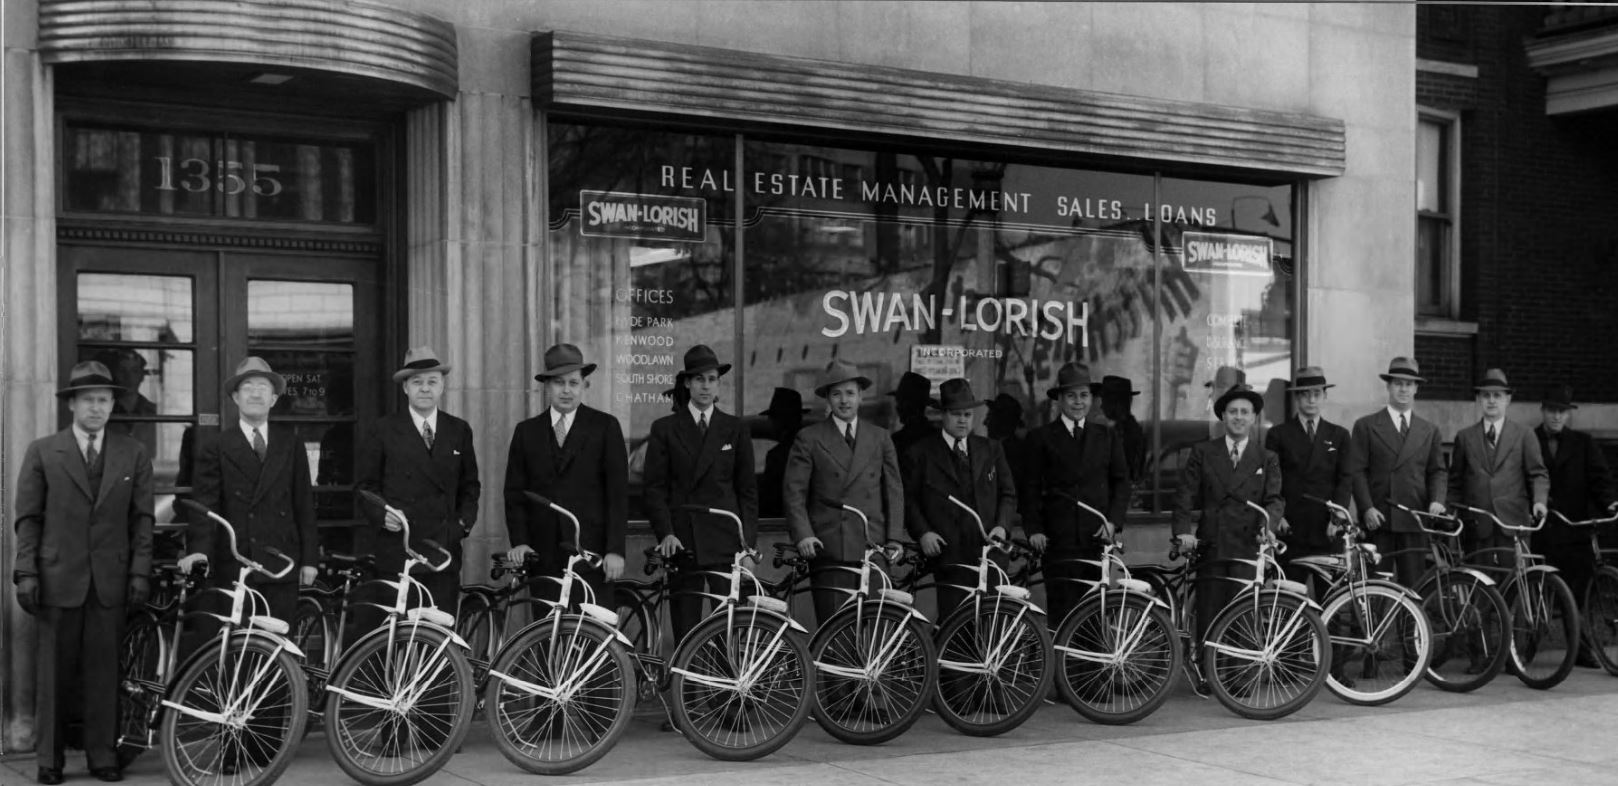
{"x": 832, "y": 436}
{"x": 276, "y": 456}
{"x": 442, "y": 453}
{"x": 1414, "y": 441}
{"x": 707, "y": 445}
{"x": 864, "y": 448}
{"x": 564, "y": 455}
{"x": 113, "y": 460}
{"x": 942, "y": 455}
{"x": 1505, "y": 442}
{"x": 977, "y": 457}
{"x": 68, "y": 446}
{"x": 236, "y": 448}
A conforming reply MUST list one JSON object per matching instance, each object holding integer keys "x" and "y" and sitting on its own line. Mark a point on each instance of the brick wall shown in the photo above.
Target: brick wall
{"x": 1446, "y": 364}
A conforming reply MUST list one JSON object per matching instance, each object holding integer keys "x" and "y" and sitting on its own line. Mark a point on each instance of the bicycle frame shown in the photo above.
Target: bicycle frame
{"x": 1524, "y": 562}
{"x": 1004, "y": 591}
{"x": 168, "y": 644}
{"x": 882, "y": 652}
{"x": 1253, "y": 589}
{"x": 1596, "y": 551}
{"x": 1125, "y": 585}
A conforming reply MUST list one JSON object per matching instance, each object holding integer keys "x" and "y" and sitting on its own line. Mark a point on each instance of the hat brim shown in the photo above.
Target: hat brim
{"x": 865, "y": 384}
{"x": 959, "y": 405}
{"x": 278, "y": 382}
{"x": 1252, "y": 397}
{"x": 406, "y": 373}
{"x": 1481, "y": 388}
{"x": 1405, "y": 377}
{"x": 1056, "y": 392}
{"x": 584, "y": 369}
{"x": 1558, "y": 405}
{"x": 722, "y": 368}
{"x": 1321, "y": 386}
{"x": 72, "y": 389}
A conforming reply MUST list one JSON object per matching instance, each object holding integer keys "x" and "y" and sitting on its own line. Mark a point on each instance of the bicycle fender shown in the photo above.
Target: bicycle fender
{"x": 455, "y": 638}
{"x": 1394, "y": 585}
{"x": 577, "y": 618}
{"x": 1541, "y": 569}
{"x": 759, "y": 610}
{"x": 1480, "y": 576}
{"x": 206, "y": 649}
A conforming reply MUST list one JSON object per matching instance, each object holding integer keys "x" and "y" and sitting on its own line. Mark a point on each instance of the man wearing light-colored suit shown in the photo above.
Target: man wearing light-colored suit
{"x": 1496, "y": 466}
{"x": 841, "y": 460}
{"x": 84, "y": 551}
{"x": 1396, "y": 456}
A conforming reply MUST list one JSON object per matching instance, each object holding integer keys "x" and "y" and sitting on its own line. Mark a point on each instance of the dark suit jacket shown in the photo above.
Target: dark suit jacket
{"x": 821, "y": 467}
{"x": 438, "y": 490}
{"x": 1581, "y": 486}
{"x": 1212, "y": 497}
{"x": 934, "y": 475}
{"x": 909, "y": 434}
{"x": 1096, "y": 474}
{"x": 1383, "y": 466}
{"x": 1317, "y": 468}
{"x": 269, "y": 503}
{"x": 684, "y": 467}
{"x": 1505, "y": 481}
{"x": 589, "y": 475}
{"x": 68, "y": 532}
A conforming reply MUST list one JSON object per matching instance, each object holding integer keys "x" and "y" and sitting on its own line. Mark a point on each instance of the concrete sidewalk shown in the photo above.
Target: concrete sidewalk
{"x": 1502, "y": 734}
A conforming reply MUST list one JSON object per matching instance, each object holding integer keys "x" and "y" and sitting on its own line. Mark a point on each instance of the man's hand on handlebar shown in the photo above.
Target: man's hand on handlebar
{"x": 997, "y": 535}
{"x": 1039, "y": 542}
{"x": 932, "y": 543}
{"x": 670, "y": 546}
{"x": 307, "y": 574}
{"x": 613, "y": 566}
{"x": 1540, "y": 511}
{"x": 516, "y": 554}
{"x": 1283, "y": 528}
{"x": 1188, "y": 541}
{"x": 1373, "y": 519}
{"x": 1437, "y": 509}
{"x": 188, "y": 562}
{"x": 391, "y": 521}
{"x": 1107, "y": 531}
{"x": 810, "y": 546}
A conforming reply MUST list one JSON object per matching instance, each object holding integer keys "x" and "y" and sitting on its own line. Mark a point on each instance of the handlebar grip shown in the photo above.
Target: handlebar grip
{"x": 432, "y": 544}
{"x": 275, "y": 552}
{"x": 194, "y": 506}
{"x": 537, "y": 499}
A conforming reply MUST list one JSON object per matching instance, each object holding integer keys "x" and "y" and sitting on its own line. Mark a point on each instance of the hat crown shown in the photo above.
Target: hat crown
{"x": 785, "y": 400}
{"x": 421, "y": 356}
{"x": 563, "y": 355}
{"x": 956, "y": 394}
{"x": 1403, "y": 365}
{"x": 837, "y": 372}
{"x": 1071, "y": 374}
{"x": 252, "y": 364}
{"x": 1493, "y": 378}
{"x": 1007, "y": 403}
{"x": 1559, "y": 395}
{"x": 913, "y": 385}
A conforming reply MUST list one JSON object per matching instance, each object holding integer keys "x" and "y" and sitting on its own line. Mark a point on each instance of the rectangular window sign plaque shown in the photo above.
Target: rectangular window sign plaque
{"x": 1232, "y": 255}
{"x": 645, "y": 216}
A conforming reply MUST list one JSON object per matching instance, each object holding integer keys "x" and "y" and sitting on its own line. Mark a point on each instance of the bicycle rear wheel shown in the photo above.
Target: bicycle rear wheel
{"x": 1601, "y": 617}
{"x": 1116, "y": 656}
{"x": 1381, "y": 643}
{"x": 717, "y": 707}
{"x": 397, "y": 709}
{"x": 1544, "y": 629}
{"x": 897, "y": 647}
{"x": 1266, "y": 656}
{"x": 560, "y": 696}
{"x": 1469, "y": 620}
{"x": 140, "y": 685}
{"x": 994, "y": 666}
{"x": 259, "y": 689}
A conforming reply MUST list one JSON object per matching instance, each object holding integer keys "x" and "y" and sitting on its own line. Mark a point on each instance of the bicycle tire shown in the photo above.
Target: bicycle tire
{"x": 722, "y": 721}
{"x": 542, "y": 735}
{"x": 1400, "y": 637}
{"x": 1469, "y": 620}
{"x": 1554, "y": 628}
{"x": 1296, "y": 672}
{"x": 256, "y": 760}
{"x": 140, "y": 684}
{"x": 873, "y": 710}
{"x": 634, "y": 621}
{"x": 311, "y": 631}
{"x": 1601, "y": 617}
{"x": 986, "y": 705}
{"x": 1139, "y": 653}
{"x": 382, "y": 747}
{"x": 475, "y": 624}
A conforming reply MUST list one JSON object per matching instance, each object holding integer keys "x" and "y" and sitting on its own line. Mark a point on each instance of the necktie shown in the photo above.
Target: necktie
{"x": 561, "y": 431}
{"x": 1488, "y": 433}
{"x": 427, "y": 433}
{"x": 960, "y": 454}
{"x": 258, "y": 444}
{"x": 702, "y": 424}
{"x": 1550, "y": 445}
{"x": 1236, "y": 453}
{"x": 1310, "y": 426}
{"x": 848, "y": 435}
{"x": 1404, "y": 425}
{"x": 90, "y": 453}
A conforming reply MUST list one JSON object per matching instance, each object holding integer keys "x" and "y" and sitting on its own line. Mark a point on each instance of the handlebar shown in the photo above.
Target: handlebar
{"x": 542, "y": 501}
{"x": 741, "y": 529}
{"x": 1423, "y": 516}
{"x": 1266, "y": 535}
{"x": 1584, "y": 522}
{"x": 1336, "y": 509}
{"x": 404, "y": 529}
{"x": 1104, "y": 531}
{"x": 979, "y": 519}
{"x": 201, "y": 509}
{"x": 1501, "y": 524}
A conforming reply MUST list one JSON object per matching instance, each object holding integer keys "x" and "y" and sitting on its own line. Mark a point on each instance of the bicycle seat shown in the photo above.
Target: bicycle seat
{"x": 898, "y": 596}
{"x": 768, "y": 604}
{"x": 601, "y": 614}
{"x": 1321, "y": 560}
{"x": 269, "y": 624}
{"x": 1288, "y": 585}
{"x": 431, "y": 615}
{"x": 1013, "y": 591}
{"x": 1135, "y": 585}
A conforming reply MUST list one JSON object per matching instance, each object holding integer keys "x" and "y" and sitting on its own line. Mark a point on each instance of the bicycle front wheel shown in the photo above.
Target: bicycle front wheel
{"x": 1544, "y": 630}
{"x": 1468, "y": 618}
{"x": 140, "y": 685}
{"x": 742, "y": 684}
{"x": 1381, "y": 643}
{"x": 237, "y": 715}
{"x": 1601, "y": 617}
{"x": 560, "y": 696}
{"x": 993, "y": 666}
{"x": 876, "y": 669}
{"x": 1265, "y": 656}
{"x": 397, "y": 708}
{"x": 1116, "y": 656}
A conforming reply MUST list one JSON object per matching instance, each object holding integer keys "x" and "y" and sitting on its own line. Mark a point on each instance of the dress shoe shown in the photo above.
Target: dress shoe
{"x": 107, "y": 774}
{"x": 49, "y": 775}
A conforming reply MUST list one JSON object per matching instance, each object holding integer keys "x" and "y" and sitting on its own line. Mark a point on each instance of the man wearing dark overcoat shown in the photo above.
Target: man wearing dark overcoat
{"x": 1396, "y": 455}
{"x": 1496, "y": 466}
{"x": 1581, "y": 488}
{"x": 700, "y": 456}
{"x": 911, "y": 398}
{"x": 1313, "y": 455}
{"x": 84, "y": 554}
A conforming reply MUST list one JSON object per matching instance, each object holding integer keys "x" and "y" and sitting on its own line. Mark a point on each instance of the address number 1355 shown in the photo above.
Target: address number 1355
{"x": 227, "y": 177}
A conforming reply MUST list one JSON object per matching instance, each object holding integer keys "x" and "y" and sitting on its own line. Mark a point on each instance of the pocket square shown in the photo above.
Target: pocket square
{"x": 725, "y": 448}
{"x": 126, "y": 479}
{"x": 455, "y": 452}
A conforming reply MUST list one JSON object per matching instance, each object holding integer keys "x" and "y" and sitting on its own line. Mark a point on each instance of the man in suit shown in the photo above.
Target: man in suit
{"x": 1395, "y": 455}
{"x": 84, "y": 551}
{"x": 1072, "y": 458}
{"x": 422, "y": 462}
{"x": 1581, "y": 488}
{"x": 841, "y": 460}
{"x": 700, "y": 456}
{"x": 1496, "y": 466}
{"x": 1219, "y": 477}
{"x": 911, "y": 399}
{"x": 575, "y": 456}
{"x": 1313, "y": 455}
{"x": 786, "y": 417}
{"x": 972, "y": 469}
{"x": 1117, "y": 396}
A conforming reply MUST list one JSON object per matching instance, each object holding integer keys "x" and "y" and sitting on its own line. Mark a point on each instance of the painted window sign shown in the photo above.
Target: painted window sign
{"x": 643, "y": 216}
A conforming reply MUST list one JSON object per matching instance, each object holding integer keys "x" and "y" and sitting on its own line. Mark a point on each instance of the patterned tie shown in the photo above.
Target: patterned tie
{"x": 960, "y": 455}
{"x": 1235, "y": 453}
{"x": 848, "y": 435}
{"x": 561, "y": 431}
{"x": 90, "y": 452}
{"x": 702, "y": 424}
{"x": 1404, "y": 425}
{"x": 1310, "y": 425}
{"x": 1488, "y": 433}
{"x": 427, "y": 433}
{"x": 258, "y": 444}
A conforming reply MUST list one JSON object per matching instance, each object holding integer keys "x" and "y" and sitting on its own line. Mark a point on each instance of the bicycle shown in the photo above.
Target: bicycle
{"x": 1381, "y": 639}
{"x": 1600, "y": 609}
{"x": 1467, "y": 614}
{"x": 481, "y": 621}
{"x": 147, "y": 657}
{"x": 399, "y": 700}
{"x": 1545, "y": 620}
{"x": 321, "y": 620}
{"x": 560, "y": 693}
{"x": 236, "y": 710}
{"x": 875, "y": 656}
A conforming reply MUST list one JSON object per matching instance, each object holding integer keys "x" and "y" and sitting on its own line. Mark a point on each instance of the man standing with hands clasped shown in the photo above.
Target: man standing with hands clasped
{"x": 1496, "y": 466}
{"x": 84, "y": 554}
{"x": 1397, "y": 456}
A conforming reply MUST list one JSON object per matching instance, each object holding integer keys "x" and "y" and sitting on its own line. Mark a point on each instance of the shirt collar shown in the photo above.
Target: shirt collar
{"x": 432, "y": 418}
{"x": 844, "y": 425}
{"x": 1070, "y": 424}
{"x": 558, "y": 417}
{"x": 247, "y": 431}
{"x": 83, "y": 438}
{"x": 1498, "y": 424}
{"x": 1410, "y": 414}
{"x": 1231, "y": 443}
{"x": 696, "y": 414}
{"x": 951, "y": 441}
{"x": 1303, "y": 420}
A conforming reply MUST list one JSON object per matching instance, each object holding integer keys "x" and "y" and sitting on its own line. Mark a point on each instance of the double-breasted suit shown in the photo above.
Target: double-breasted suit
{"x": 1506, "y": 479}
{"x": 685, "y": 466}
{"x": 1212, "y": 503}
{"x": 83, "y": 541}
{"x": 1581, "y": 488}
{"x": 934, "y": 474}
{"x": 1092, "y": 468}
{"x": 437, "y": 489}
{"x": 1317, "y": 468}
{"x": 1385, "y": 467}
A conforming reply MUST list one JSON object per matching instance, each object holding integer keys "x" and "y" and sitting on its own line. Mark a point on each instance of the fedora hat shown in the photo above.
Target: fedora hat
{"x": 1242, "y": 391}
{"x": 701, "y": 358}
{"x": 1112, "y": 385}
{"x": 562, "y": 359}
{"x": 914, "y": 387}
{"x": 89, "y": 375}
{"x": 836, "y": 373}
{"x": 1071, "y": 375}
{"x": 1309, "y": 378}
{"x": 1558, "y": 397}
{"x": 1493, "y": 379}
{"x": 1226, "y": 376}
{"x": 420, "y": 360}
{"x": 1006, "y": 405}
{"x": 957, "y": 394}
{"x": 255, "y": 366}
{"x": 1403, "y": 368}
{"x": 786, "y": 401}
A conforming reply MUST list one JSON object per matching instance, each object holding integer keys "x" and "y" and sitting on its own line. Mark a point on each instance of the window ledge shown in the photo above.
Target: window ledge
{"x": 1439, "y": 326}
{"x": 1466, "y": 70}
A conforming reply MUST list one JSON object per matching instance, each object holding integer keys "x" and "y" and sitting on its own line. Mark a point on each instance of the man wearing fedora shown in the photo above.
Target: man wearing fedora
{"x": 422, "y": 462}
{"x": 575, "y": 456}
{"x": 1397, "y": 456}
{"x": 84, "y": 554}
{"x": 1496, "y": 466}
{"x": 842, "y": 460}
{"x": 910, "y": 400}
{"x": 1117, "y": 395}
{"x": 972, "y": 469}
{"x": 1071, "y": 458}
{"x": 786, "y": 418}
{"x": 1581, "y": 488}
{"x": 1313, "y": 455}
{"x": 1219, "y": 477}
{"x": 701, "y": 456}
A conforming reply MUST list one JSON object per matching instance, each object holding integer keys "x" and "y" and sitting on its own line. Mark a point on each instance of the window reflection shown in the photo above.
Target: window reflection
{"x": 121, "y": 307}
{"x": 300, "y": 313}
